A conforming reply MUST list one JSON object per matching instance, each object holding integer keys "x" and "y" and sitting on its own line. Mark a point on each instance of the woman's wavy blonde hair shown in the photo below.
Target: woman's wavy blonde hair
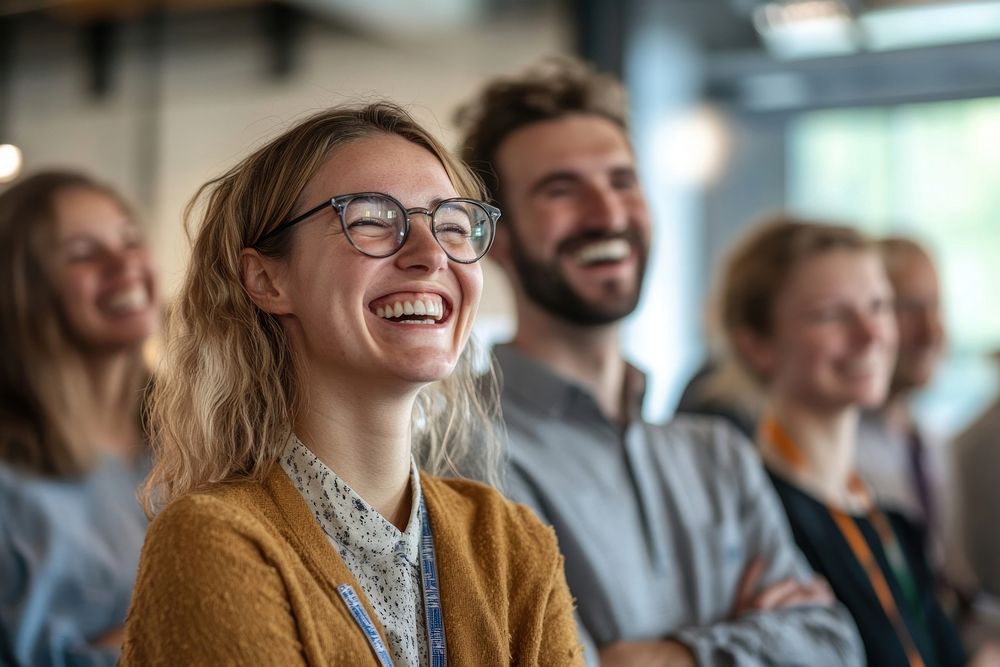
{"x": 223, "y": 404}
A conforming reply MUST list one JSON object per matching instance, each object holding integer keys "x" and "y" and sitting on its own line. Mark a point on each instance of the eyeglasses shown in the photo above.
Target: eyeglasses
{"x": 377, "y": 225}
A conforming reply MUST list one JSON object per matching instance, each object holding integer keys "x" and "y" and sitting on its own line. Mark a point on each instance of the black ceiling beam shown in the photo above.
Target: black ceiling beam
{"x": 759, "y": 83}
{"x": 100, "y": 45}
{"x": 283, "y": 26}
{"x": 601, "y": 28}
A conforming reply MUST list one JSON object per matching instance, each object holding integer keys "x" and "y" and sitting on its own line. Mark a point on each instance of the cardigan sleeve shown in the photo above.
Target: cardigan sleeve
{"x": 519, "y": 490}
{"x": 560, "y": 643}
{"x": 553, "y": 637}
{"x": 209, "y": 593}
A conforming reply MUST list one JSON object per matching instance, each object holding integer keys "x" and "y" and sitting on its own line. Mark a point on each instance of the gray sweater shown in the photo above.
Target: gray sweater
{"x": 657, "y": 524}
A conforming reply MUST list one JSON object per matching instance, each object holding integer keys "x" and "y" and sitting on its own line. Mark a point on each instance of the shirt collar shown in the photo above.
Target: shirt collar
{"x": 344, "y": 515}
{"x": 538, "y": 385}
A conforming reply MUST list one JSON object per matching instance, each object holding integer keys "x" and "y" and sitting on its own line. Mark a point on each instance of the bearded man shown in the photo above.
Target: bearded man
{"x": 677, "y": 549}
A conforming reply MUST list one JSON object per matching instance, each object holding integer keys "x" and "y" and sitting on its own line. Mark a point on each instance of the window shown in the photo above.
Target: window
{"x": 931, "y": 171}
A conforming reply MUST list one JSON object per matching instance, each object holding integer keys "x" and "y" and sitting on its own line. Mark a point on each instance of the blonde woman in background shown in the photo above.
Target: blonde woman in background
{"x": 78, "y": 299}
{"x": 318, "y": 335}
{"x": 809, "y": 310}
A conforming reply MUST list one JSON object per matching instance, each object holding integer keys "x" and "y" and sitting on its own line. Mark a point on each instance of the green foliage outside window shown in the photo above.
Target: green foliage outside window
{"x": 927, "y": 170}
{"x": 930, "y": 171}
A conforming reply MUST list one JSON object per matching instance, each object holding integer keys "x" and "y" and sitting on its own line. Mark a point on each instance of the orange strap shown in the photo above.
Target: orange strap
{"x": 849, "y": 529}
{"x": 786, "y": 447}
{"x": 790, "y": 451}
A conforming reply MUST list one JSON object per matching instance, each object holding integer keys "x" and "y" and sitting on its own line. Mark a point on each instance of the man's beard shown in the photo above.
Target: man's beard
{"x": 544, "y": 284}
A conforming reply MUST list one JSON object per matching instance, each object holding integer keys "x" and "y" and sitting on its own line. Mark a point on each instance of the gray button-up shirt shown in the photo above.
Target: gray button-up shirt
{"x": 658, "y": 523}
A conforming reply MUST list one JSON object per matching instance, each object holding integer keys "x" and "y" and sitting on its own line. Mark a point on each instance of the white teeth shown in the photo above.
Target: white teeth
{"x": 431, "y": 307}
{"x": 611, "y": 250}
{"x": 129, "y": 300}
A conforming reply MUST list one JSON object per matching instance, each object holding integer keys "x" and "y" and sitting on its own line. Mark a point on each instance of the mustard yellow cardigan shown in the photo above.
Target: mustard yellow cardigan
{"x": 243, "y": 575}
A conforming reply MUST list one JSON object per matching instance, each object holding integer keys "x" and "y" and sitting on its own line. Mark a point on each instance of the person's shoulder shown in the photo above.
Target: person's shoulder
{"x": 479, "y": 509}
{"x": 211, "y": 561}
{"x": 709, "y": 455}
{"x": 710, "y": 439}
{"x": 19, "y": 481}
{"x": 30, "y": 500}
{"x": 470, "y": 500}
{"x": 981, "y": 435}
{"x": 14, "y": 515}
{"x": 210, "y": 514}
{"x": 13, "y": 485}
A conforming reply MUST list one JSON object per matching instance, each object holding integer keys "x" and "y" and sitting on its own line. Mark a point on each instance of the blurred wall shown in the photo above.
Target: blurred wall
{"x": 170, "y": 123}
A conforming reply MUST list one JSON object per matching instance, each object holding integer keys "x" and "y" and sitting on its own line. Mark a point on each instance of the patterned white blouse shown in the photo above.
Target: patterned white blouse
{"x": 385, "y": 561}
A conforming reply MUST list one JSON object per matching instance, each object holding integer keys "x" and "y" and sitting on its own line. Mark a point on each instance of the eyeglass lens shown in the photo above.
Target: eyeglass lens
{"x": 377, "y": 226}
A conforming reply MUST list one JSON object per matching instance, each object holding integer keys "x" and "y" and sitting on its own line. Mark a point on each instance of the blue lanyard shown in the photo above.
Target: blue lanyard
{"x": 432, "y": 594}
{"x": 433, "y": 619}
{"x": 364, "y": 622}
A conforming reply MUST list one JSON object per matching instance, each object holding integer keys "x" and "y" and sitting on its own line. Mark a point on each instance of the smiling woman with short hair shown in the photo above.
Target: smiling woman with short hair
{"x": 319, "y": 338}
{"x": 808, "y": 310}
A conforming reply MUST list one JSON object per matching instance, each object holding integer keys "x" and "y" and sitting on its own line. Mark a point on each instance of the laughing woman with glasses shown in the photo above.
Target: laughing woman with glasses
{"x": 314, "y": 356}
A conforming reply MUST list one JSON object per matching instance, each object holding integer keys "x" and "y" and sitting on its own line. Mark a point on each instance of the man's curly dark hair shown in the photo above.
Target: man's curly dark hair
{"x": 551, "y": 89}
